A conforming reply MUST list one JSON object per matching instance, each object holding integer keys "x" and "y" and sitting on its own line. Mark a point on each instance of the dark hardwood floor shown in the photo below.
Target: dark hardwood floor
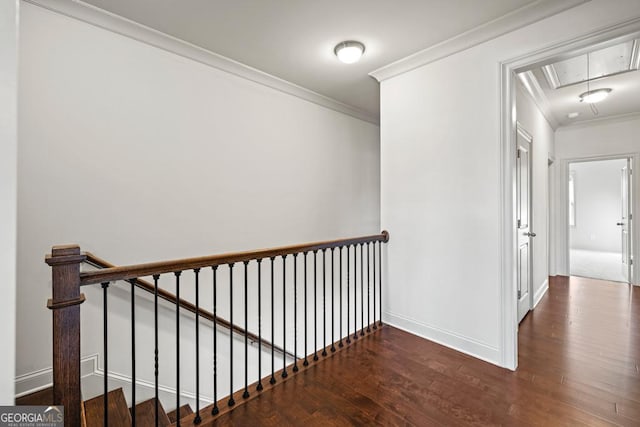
{"x": 579, "y": 357}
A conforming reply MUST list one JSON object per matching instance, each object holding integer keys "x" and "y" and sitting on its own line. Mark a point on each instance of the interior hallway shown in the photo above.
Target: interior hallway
{"x": 579, "y": 353}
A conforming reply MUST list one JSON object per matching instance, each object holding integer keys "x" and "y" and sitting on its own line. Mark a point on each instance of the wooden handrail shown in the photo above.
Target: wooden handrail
{"x": 149, "y": 269}
{"x": 184, "y": 304}
{"x": 67, "y": 280}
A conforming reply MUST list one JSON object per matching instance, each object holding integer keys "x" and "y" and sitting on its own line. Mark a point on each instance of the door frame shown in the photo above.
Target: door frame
{"x": 551, "y": 226}
{"x": 564, "y": 198}
{"x": 508, "y": 243}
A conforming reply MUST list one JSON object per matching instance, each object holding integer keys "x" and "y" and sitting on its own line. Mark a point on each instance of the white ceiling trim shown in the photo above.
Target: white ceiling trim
{"x": 533, "y": 89}
{"x": 84, "y": 12}
{"x": 519, "y": 18}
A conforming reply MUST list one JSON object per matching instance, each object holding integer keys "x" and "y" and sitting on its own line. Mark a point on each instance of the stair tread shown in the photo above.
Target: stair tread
{"x": 118, "y": 410}
{"x": 184, "y": 411}
{"x": 146, "y": 414}
{"x": 39, "y": 398}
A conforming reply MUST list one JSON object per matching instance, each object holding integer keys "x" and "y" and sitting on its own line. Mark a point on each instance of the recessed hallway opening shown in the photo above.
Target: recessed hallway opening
{"x": 579, "y": 354}
{"x": 599, "y": 227}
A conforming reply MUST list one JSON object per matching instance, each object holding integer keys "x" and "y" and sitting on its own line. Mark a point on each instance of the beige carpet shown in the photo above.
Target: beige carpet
{"x": 597, "y": 265}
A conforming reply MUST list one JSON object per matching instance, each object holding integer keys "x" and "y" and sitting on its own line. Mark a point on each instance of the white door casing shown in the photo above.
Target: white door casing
{"x": 625, "y": 220}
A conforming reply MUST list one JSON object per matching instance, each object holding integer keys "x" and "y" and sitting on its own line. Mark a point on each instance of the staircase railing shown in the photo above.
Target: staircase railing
{"x": 98, "y": 262}
{"x": 67, "y": 279}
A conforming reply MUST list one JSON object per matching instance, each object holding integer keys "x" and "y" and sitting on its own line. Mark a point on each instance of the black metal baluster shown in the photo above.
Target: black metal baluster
{"x": 246, "y": 395}
{"x": 306, "y": 318}
{"x": 177, "y": 274}
{"x": 380, "y": 277}
{"x": 259, "y": 386}
{"x": 315, "y": 305}
{"x": 215, "y": 409}
{"x": 324, "y": 303}
{"x": 231, "y": 400}
{"x": 368, "y": 287}
{"x": 284, "y": 317}
{"x": 133, "y": 351}
{"x": 373, "y": 248}
{"x": 156, "y": 277}
{"x": 295, "y": 312}
{"x": 105, "y": 349}
{"x": 362, "y": 289}
{"x": 340, "y": 344}
{"x": 197, "y": 419}
{"x": 348, "y": 291}
{"x": 333, "y": 312}
{"x": 355, "y": 292}
{"x": 273, "y": 335}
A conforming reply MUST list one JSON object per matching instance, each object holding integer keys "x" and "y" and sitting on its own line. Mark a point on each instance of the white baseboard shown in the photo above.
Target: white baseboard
{"x": 89, "y": 371}
{"x": 540, "y": 293}
{"x": 125, "y": 380}
{"x": 43, "y": 378}
{"x": 457, "y": 342}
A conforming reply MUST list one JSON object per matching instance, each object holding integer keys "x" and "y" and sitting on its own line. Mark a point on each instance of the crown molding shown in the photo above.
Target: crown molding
{"x": 519, "y": 18}
{"x": 101, "y": 18}
{"x": 532, "y": 88}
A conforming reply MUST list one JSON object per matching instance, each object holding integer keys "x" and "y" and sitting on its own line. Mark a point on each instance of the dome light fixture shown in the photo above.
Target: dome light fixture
{"x": 349, "y": 51}
{"x": 596, "y": 95}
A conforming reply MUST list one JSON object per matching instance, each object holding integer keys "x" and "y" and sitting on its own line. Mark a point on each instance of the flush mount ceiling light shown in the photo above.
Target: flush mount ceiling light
{"x": 593, "y": 96}
{"x": 349, "y": 51}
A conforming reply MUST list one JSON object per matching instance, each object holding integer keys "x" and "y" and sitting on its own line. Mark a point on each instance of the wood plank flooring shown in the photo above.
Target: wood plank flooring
{"x": 39, "y": 398}
{"x": 579, "y": 357}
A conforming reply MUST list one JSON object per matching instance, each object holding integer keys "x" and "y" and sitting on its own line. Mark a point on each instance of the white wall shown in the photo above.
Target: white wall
{"x": 8, "y": 182}
{"x": 598, "y": 202}
{"x": 604, "y": 138}
{"x": 599, "y": 138}
{"x": 441, "y": 184}
{"x": 542, "y": 149}
{"x": 138, "y": 154}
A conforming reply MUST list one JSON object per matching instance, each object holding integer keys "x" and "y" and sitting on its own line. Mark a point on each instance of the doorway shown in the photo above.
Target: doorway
{"x": 511, "y": 70}
{"x": 600, "y": 220}
{"x": 524, "y": 220}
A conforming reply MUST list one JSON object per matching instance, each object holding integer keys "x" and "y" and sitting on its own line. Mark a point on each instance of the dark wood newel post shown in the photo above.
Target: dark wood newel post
{"x": 65, "y": 265}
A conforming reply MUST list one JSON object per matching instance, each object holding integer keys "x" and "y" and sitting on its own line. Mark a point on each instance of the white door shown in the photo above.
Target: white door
{"x": 625, "y": 223}
{"x": 523, "y": 221}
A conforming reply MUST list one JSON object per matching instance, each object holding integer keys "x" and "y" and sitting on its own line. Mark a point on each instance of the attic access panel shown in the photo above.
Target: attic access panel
{"x": 609, "y": 61}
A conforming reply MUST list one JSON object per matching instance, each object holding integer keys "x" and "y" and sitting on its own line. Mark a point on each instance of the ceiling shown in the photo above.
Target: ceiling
{"x": 556, "y": 87}
{"x": 294, "y": 39}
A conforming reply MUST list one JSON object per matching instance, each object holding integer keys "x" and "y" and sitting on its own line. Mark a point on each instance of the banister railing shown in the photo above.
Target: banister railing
{"x": 149, "y": 269}
{"x": 98, "y": 262}
{"x": 306, "y": 271}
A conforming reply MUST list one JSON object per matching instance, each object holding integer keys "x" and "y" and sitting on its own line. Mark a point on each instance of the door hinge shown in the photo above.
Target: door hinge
{"x": 519, "y": 223}
{"x": 630, "y": 216}
{"x": 519, "y": 294}
{"x": 631, "y": 261}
